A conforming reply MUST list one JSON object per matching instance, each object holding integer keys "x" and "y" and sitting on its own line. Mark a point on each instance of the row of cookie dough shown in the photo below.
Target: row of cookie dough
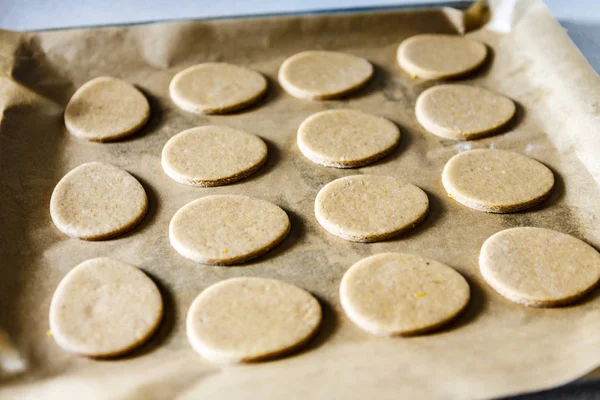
{"x": 99, "y": 201}
{"x": 104, "y": 307}
{"x": 107, "y": 108}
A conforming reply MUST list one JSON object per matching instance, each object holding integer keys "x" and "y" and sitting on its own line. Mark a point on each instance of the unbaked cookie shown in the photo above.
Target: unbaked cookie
{"x": 496, "y": 180}
{"x": 539, "y": 267}
{"x": 212, "y": 88}
{"x": 106, "y": 109}
{"x": 249, "y": 319}
{"x": 369, "y": 208}
{"x": 437, "y": 56}
{"x": 346, "y": 138}
{"x": 103, "y": 308}
{"x": 97, "y": 201}
{"x": 320, "y": 75}
{"x": 392, "y": 294}
{"x": 463, "y": 112}
{"x": 212, "y": 156}
{"x": 227, "y": 229}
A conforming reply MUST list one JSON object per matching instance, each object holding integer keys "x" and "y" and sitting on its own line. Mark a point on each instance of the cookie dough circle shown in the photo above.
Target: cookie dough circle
{"x": 320, "y": 75}
{"x": 496, "y": 180}
{"x": 249, "y": 319}
{"x": 212, "y": 156}
{"x": 437, "y": 56}
{"x": 104, "y": 307}
{"x": 227, "y": 229}
{"x": 463, "y": 112}
{"x": 539, "y": 267}
{"x": 392, "y": 294}
{"x": 213, "y": 88}
{"x": 97, "y": 201}
{"x": 105, "y": 109}
{"x": 370, "y": 208}
{"x": 346, "y": 138}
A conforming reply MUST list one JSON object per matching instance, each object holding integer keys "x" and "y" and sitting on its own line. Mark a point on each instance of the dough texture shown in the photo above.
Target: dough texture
{"x": 392, "y": 294}
{"x": 106, "y": 109}
{"x": 212, "y": 156}
{"x": 539, "y": 267}
{"x": 249, "y": 319}
{"x": 369, "y": 208}
{"x": 103, "y": 308}
{"x": 227, "y": 229}
{"x": 97, "y": 201}
{"x": 320, "y": 75}
{"x": 346, "y": 138}
{"x": 213, "y": 88}
{"x": 437, "y": 56}
{"x": 496, "y": 180}
{"x": 463, "y": 112}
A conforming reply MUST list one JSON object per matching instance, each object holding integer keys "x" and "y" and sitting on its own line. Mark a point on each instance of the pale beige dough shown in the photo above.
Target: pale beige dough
{"x": 106, "y": 109}
{"x": 437, "y": 56}
{"x": 213, "y": 88}
{"x": 346, "y": 138}
{"x": 249, "y": 319}
{"x": 463, "y": 112}
{"x": 496, "y": 180}
{"x": 392, "y": 294}
{"x": 539, "y": 267}
{"x": 212, "y": 156}
{"x": 320, "y": 75}
{"x": 97, "y": 201}
{"x": 104, "y": 307}
{"x": 370, "y": 208}
{"x": 227, "y": 229}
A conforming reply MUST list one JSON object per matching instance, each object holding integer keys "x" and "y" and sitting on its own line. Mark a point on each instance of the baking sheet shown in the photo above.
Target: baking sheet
{"x": 495, "y": 348}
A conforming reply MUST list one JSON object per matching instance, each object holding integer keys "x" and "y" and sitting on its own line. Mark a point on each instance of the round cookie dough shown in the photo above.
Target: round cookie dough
{"x": 106, "y": 109}
{"x": 227, "y": 229}
{"x": 437, "y": 56}
{"x": 370, "y": 208}
{"x": 496, "y": 180}
{"x": 249, "y": 319}
{"x": 539, "y": 267}
{"x": 212, "y": 156}
{"x": 97, "y": 201}
{"x": 346, "y": 138}
{"x": 463, "y": 112}
{"x": 103, "y": 308}
{"x": 320, "y": 75}
{"x": 213, "y": 88}
{"x": 392, "y": 294}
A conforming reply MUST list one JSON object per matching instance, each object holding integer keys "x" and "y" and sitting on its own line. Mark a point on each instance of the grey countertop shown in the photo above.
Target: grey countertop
{"x": 581, "y": 18}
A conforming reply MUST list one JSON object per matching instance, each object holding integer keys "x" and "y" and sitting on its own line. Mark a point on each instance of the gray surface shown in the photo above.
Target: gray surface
{"x": 581, "y": 18}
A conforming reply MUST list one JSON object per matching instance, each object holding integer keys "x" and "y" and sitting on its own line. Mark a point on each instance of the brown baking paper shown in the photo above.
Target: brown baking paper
{"x": 495, "y": 348}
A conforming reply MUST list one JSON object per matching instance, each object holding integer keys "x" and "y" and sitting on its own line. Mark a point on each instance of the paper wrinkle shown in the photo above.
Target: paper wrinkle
{"x": 495, "y": 348}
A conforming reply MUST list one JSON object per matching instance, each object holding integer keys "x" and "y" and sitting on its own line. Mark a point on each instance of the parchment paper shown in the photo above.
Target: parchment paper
{"x": 495, "y": 348}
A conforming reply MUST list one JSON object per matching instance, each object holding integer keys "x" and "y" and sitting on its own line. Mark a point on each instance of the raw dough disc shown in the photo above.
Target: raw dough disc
{"x": 97, "y": 201}
{"x": 104, "y": 307}
{"x": 369, "y": 208}
{"x": 463, "y": 112}
{"x": 320, "y": 75}
{"x": 227, "y": 229}
{"x": 392, "y": 294}
{"x": 346, "y": 138}
{"x": 496, "y": 180}
{"x": 106, "y": 109}
{"x": 437, "y": 56}
{"x": 539, "y": 267}
{"x": 248, "y": 319}
{"x": 212, "y": 88}
{"x": 212, "y": 156}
